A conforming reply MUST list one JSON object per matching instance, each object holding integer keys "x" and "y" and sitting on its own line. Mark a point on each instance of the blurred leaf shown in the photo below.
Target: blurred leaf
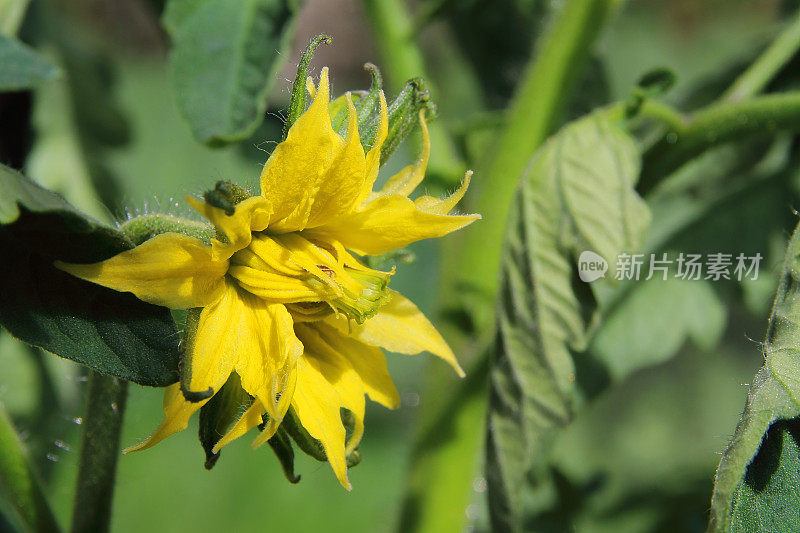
{"x": 57, "y": 159}
{"x": 19, "y": 484}
{"x": 757, "y": 490}
{"x": 11, "y": 15}
{"x": 576, "y": 195}
{"x": 22, "y": 68}
{"x": 634, "y": 337}
{"x": 226, "y": 55}
{"x": 109, "y": 331}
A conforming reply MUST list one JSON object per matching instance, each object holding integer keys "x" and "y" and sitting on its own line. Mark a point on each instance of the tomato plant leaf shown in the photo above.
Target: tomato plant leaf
{"x": 757, "y": 483}
{"x": 226, "y": 55}
{"x": 577, "y": 195}
{"x": 108, "y": 331}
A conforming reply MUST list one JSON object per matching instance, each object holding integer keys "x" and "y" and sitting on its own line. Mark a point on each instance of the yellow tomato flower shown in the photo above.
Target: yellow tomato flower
{"x": 285, "y": 305}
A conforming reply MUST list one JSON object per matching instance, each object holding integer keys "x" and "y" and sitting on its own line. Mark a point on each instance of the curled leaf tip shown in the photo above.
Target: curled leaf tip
{"x": 197, "y": 396}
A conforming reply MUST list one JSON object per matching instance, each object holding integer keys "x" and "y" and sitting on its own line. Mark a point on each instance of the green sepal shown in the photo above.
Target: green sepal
{"x": 308, "y": 444}
{"x": 381, "y": 262}
{"x": 282, "y": 447}
{"x": 367, "y": 104}
{"x": 225, "y": 195}
{"x": 298, "y": 102}
{"x": 145, "y": 227}
{"x": 187, "y": 348}
{"x": 111, "y": 332}
{"x": 403, "y": 116}
{"x": 219, "y": 414}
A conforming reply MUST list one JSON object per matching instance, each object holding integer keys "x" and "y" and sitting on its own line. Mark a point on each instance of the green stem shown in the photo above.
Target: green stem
{"x": 533, "y": 115}
{"x": 445, "y": 456}
{"x": 11, "y": 14}
{"x": 18, "y": 484}
{"x": 715, "y": 125}
{"x": 666, "y": 115}
{"x": 144, "y": 227}
{"x": 758, "y": 75}
{"x": 402, "y": 60}
{"x": 105, "y": 406}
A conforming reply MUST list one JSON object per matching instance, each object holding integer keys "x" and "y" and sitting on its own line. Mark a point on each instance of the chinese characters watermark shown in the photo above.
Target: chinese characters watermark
{"x": 692, "y": 267}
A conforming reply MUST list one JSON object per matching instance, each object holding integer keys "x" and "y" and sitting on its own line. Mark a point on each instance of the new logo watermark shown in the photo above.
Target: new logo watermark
{"x": 591, "y": 266}
{"x": 692, "y": 267}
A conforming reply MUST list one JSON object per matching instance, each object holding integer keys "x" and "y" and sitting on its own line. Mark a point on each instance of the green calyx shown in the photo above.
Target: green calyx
{"x": 225, "y": 196}
{"x": 404, "y": 115}
{"x": 403, "y": 112}
{"x": 309, "y": 445}
{"x": 219, "y": 414}
{"x": 297, "y": 104}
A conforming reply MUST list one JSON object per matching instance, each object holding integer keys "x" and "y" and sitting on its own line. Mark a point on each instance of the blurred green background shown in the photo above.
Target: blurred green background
{"x": 109, "y": 136}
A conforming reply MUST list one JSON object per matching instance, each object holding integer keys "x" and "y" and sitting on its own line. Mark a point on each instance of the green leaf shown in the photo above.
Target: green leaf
{"x": 21, "y": 67}
{"x": 576, "y": 195}
{"x": 226, "y": 55}
{"x": 757, "y": 477}
{"x": 634, "y": 337}
{"x": 769, "y": 497}
{"x": 111, "y": 332}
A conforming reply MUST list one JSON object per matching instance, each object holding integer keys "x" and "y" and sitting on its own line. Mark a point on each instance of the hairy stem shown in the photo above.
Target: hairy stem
{"x": 18, "y": 483}
{"x": 715, "y": 125}
{"x": 144, "y": 227}
{"x": 758, "y": 75}
{"x": 102, "y": 424}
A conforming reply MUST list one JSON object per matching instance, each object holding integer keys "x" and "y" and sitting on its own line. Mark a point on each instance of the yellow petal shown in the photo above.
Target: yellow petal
{"x": 404, "y": 182}
{"x": 399, "y": 327}
{"x": 172, "y": 270}
{"x": 386, "y": 224}
{"x": 339, "y": 373}
{"x": 429, "y": 204}
{"x": 316, "y": 403}
{"x": 368, "y": 361}
{"x": 252, "y": 214}
{"x": 340, "y": 185}
{"x": 249, "y": 419}
{"x": 177, "y": 411}
{"x": 310, "y": 87}
{"x": 213, "y": 349}
{"x": 283, "y": 406}
{"x": 267, "y": 351}
{"x": 292, "y": 176}
{"x": 210, "y": 361}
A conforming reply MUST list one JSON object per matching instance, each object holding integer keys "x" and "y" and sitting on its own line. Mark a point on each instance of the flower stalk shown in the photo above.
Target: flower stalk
{"x": 105, "y": 406}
